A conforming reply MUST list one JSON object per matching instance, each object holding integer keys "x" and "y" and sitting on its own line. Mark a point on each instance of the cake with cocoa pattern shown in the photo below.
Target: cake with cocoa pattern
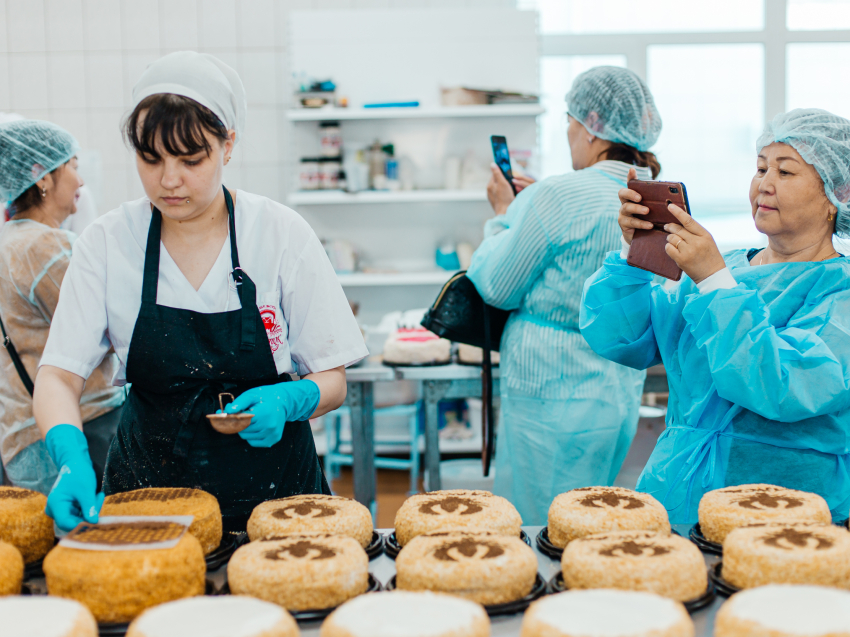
{"x": 591, "y": 510}
{"x": 481, "y": 567}
{"x": 725, "y": 509}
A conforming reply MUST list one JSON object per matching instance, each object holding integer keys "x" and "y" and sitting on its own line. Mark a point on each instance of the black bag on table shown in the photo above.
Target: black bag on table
{"x": 460, "y": 314}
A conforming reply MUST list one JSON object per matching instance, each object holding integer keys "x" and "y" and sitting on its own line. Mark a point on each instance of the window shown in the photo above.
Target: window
{"x": 716, "y": 71}
{"x": 816, "y": 77}
{"x": 710, "y": 97}
{"x": 648, "y": 16}
{"x": 818, "y": 15}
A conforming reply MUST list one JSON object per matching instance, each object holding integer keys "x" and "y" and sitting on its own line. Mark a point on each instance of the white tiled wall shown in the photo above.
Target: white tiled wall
{"x": 74, "y": 62}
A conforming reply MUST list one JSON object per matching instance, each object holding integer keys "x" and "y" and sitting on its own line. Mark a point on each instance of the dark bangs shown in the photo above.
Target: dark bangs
{"x": 177, "y": 122}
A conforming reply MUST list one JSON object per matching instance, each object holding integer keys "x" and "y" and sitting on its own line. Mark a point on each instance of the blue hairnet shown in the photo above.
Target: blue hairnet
{"x": 614, "y": 104}
{"x": 823, "y": 140}
{"x": 29, "y": 149}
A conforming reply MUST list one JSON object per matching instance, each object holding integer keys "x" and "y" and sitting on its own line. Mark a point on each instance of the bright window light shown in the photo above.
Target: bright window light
{"x": 815, "y": 77}
{"x": 818, "y": 15}
{"x": 711, "y": 100}
{"x": 646, "y": 16}
{"x": 556, "y": 77}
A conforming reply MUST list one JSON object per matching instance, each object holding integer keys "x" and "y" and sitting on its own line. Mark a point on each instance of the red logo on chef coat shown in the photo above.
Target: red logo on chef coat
{"x": 271, "y": 322}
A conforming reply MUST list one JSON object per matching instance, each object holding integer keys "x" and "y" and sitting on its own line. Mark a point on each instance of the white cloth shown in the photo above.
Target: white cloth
{"x": 720, "y": 280}
{"x": 200, "y": 77}
{"x": 308, "y": 320}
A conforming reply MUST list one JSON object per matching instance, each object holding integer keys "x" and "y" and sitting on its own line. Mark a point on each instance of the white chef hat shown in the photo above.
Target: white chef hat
{"x": 200, "y": 77}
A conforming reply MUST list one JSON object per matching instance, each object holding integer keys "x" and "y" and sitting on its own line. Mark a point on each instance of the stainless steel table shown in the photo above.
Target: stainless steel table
{"x": 383, "y": 569}
{"x": 360, "y": 400}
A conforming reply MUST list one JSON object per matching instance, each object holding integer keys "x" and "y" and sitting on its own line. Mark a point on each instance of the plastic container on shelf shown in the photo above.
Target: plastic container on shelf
{"x": 309, "y": 173}
{"x": 329, "y": 169}
{"x": 331, "y": 139}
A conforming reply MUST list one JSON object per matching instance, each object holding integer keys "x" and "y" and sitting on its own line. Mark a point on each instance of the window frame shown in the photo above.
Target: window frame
{"x": 774, "y": 38}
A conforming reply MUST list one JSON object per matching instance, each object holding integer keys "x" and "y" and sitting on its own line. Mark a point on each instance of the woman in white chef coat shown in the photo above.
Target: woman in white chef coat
{"x": 200, "y": 290}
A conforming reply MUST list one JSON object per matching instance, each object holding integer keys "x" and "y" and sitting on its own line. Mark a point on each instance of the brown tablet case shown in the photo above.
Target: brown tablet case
{"x": 647, "y": 249}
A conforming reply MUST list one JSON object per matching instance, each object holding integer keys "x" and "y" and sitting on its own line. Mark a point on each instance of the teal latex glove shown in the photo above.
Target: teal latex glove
{"x": 273, "y": 406}
{"x": 74, "y": 496}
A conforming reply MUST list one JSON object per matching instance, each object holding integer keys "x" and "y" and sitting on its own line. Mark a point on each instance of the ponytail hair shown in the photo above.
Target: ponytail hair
{"x": 633, "y": 156}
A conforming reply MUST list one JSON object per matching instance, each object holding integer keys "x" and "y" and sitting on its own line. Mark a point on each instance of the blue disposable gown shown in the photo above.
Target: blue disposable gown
{"x": 759, "y": 375}
{"x": 568, "y": 416}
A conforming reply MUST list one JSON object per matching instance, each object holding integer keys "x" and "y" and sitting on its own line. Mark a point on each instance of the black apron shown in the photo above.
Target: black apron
{"x": 178, "y": 363}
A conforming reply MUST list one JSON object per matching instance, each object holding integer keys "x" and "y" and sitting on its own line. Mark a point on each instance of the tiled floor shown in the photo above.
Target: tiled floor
{"x": 393, "y": 485}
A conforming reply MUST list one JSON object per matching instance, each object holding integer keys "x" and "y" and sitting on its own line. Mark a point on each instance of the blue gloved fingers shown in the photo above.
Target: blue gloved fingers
{"x": 91, "y": 508}
{"x": 74, "y": 496}
{"x": 245, "y": 401}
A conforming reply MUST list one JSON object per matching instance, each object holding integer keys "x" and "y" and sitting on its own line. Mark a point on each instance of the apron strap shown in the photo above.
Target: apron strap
{"x": 244, "y": 285}
{"x": 151, "y": 273}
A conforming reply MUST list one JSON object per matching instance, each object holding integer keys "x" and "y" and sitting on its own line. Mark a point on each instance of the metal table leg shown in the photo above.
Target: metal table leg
{"x": 360, "y": 401}
{"x": 433, "y": 392}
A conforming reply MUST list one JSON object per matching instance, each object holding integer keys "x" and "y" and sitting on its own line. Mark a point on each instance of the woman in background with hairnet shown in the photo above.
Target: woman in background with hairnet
{"x": 756, "y": 342}
{"x": 568, "y": 416}
{"x": 40, "y": 185}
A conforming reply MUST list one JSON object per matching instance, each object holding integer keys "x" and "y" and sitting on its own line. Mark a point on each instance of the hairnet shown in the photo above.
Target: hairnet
{"x": 823, "y": 140}
{"x": 614, "y": 104}
{"x": 29, "y": 149}
{"x": 200, "y": 77}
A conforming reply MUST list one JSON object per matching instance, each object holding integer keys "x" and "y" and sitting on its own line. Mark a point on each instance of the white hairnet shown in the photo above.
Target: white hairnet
{"x": 200, "y": 77}
{"x": 823, "y": 140}
{"x": 29, "y": 149}
{"x": 613, "y": 103}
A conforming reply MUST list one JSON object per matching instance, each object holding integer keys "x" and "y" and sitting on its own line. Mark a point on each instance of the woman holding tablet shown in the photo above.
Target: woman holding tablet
{"x": 200, "y": 290}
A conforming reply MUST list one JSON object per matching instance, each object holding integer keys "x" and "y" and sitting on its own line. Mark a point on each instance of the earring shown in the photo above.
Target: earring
{"x": 44, "y": 192}
{"x": 831, "y": 216}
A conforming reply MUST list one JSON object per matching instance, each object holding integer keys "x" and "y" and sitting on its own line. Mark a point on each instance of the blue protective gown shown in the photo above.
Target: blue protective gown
{"x": 568, "y": 416}
{"x": 759, "y": 375}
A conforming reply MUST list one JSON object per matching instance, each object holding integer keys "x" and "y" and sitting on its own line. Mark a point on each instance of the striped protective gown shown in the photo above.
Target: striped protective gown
{"x": 568, "y": 416}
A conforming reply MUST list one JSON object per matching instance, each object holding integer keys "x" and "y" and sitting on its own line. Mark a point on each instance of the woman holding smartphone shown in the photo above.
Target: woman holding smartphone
{"x": 568, "y": 416}
{"x": 755, "y": 342}
{"x": 200, "y": 290}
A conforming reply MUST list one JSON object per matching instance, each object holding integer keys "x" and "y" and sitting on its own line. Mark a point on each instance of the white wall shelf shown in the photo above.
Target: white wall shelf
{"x": 334, "y": 197}
{"x": 385, "y": 279}
{"x": 343, "y": 114}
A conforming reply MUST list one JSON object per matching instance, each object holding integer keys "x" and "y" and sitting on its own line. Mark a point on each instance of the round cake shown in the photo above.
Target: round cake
{"x": 226, "y": 615}
{"x": 472, "y": 355}
{"x": 408, "y": 614}
{"x": 416, "y": 346}
{"x": 787, "y": 553}
{"x": 481, "y": 567}
{"x": 310, "y": 571}
{"x": 44, "y": 616}
{"x": 785, "y": 611}
{"x": 725, "y": 509}
{"x": 456, "y": 510}
{"x": 117, "y": 585}
{"x": 11, "y": 570}
{"x": 606, "y": 613}
{"x": 311, "y": 514}
{"x": 592, "y": 510}
{"x": 164, "y": 501}
{"x": 23, "y": 523}
{"x": 667, "y": 565}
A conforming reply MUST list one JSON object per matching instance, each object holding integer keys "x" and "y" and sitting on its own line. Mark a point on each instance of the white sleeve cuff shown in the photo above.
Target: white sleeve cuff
{"x": 720, "y": 280}
{"x": 624, "y": 250}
